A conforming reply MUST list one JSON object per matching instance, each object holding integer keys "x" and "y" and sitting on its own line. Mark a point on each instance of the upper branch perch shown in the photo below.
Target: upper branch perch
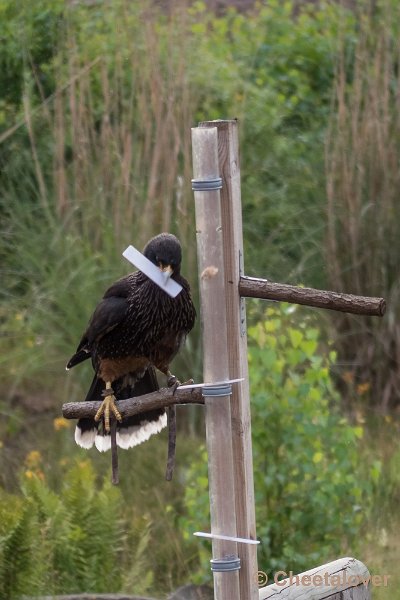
{"x": 133, "y": 406}
{"x": 252, "y": 287}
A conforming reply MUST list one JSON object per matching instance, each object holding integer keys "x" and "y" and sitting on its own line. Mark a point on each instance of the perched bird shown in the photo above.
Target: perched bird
{"x": 135, "y": 328}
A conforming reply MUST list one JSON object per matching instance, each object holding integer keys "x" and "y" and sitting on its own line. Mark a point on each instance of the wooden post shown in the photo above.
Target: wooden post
{"x": 231, "y": 215}
{"x": 215, "y": 362}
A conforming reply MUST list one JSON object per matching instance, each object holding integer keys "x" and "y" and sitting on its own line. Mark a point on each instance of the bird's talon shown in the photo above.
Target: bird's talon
{"x": 99, "y": 413}
{"x": 172, "y": 381}
{"x": 107, "y": 407}
{"x": 175, "y": 387}
{"x": 188, "y": 382}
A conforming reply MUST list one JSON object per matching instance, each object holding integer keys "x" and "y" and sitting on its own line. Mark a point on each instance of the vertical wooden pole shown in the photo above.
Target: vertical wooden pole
{"x": 231, "y": 221}
{"x": 215, "y": 364}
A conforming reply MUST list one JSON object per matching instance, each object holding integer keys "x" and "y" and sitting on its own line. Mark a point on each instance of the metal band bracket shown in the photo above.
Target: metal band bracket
{"x": 228, "y": 563}
{"x": 223, "y": 389}
{"x": 206, "y": 185}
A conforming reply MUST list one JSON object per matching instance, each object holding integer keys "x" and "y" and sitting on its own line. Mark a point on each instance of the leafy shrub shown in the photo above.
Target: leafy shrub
{"x": 28, "y": 42}
{"x": 275, "y": 73}
{"x": 312, "y": 493}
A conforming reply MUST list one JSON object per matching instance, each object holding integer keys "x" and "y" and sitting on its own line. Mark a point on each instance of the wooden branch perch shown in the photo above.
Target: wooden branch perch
{"x": 133, "y": 406}
{"x": 252, "y": 287}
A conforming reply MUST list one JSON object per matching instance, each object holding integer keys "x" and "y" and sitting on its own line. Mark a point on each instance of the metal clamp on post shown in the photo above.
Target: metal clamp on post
{"x": 228, "y": 563}
{"x": 221, "y": 389}
{"x": 206, "y": 185}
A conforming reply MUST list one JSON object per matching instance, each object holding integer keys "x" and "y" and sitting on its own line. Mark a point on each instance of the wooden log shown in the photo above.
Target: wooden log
{"x": 132, "y": 406}
{"x": 342, "y": 579}
{"x": 231, "y": 221}
{"x": 215, "y": 357}
{"x": 253, "y": 287}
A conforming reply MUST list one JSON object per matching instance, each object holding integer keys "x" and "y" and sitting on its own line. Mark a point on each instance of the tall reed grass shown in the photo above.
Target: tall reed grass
{"x": 363, "y": 210}
{"x": 109, "y": 165}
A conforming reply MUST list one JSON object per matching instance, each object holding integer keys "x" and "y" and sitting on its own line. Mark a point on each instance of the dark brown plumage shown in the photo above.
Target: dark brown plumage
{"x": 135, "y": 328}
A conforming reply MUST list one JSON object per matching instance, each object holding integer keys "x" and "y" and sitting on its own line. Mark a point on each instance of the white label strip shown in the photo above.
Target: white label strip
{"x": 202, "y": 385}
{"x": 229, "y": 538}
{"x": 170, "y": 286}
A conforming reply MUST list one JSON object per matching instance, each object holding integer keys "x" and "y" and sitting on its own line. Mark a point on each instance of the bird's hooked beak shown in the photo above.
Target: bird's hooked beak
{"x": 167, "y": 270}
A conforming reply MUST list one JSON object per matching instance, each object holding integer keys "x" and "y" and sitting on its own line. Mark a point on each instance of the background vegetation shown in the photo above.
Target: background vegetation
{"x": 96, "y": 104}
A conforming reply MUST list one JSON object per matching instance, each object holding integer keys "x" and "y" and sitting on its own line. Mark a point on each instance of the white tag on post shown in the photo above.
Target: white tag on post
{"x": 230, "y": 538}
{"x": 203, "y": 385}
{"x": 163, "y": 280}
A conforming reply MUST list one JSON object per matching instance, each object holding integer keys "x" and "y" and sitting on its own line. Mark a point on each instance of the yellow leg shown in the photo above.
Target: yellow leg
{"x": 107, "y": 407}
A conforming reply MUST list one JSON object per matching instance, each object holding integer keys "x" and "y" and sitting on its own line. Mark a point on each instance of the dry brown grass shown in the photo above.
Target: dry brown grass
{"x": 109, "y": 164}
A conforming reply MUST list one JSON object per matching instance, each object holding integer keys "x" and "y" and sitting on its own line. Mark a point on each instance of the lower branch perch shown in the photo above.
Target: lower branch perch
{"x": 134, "y": 406}
{"x": 163, "y": 398}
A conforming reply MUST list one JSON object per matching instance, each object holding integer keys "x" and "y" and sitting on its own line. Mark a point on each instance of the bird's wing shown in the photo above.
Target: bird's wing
{"x": 108, "y": 314}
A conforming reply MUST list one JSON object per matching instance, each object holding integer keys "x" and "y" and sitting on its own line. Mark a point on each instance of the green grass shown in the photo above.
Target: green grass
{"x": 382, "y": 555}
{"x": 380, "y": 542}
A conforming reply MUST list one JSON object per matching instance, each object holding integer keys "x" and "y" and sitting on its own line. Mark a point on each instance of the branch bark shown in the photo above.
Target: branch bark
{"x": 133, "y": 406}
{"x": 252, "y": 287}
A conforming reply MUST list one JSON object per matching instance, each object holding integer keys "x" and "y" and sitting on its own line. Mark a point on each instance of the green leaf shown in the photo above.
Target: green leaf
{"x": 317, "y": 458}
{"x": 296, "y": 337}
{"x": 309, "y": 347}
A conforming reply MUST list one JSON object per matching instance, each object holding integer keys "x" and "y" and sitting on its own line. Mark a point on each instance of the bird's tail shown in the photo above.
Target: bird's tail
{"x": 132, "y": 430}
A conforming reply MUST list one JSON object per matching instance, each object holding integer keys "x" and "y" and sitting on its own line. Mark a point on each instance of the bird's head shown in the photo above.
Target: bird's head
{"x": 165, "y": 251}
